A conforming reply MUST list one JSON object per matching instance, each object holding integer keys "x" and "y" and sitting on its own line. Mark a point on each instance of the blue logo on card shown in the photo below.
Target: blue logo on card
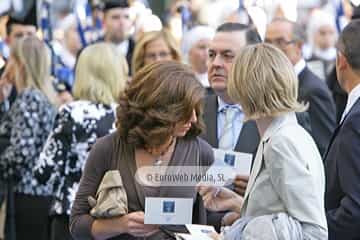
{"x": 229, "y": 159}
{"x": 169, "y": 207}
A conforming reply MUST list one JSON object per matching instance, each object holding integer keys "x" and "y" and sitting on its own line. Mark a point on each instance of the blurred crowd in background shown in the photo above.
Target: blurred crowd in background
{"x": 48, "y": 127}
{"x": 69, "y": 26}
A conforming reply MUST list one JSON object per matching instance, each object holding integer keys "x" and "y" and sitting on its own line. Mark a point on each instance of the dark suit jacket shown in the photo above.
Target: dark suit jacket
{"x": 338, "y": 94}
{"x": 129, "y": 53}
{"x": 342, "y": 167}
{"x": 322, "y": 112}
{"x": 249, "y": 136}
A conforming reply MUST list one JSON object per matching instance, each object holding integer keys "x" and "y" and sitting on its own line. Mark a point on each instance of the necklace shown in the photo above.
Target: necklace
{"x": 158, "y": 162}
{"x": 160, "y": 159}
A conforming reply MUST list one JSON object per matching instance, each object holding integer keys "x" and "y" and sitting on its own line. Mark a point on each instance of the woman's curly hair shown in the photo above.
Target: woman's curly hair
{"x": 159, "y": 96}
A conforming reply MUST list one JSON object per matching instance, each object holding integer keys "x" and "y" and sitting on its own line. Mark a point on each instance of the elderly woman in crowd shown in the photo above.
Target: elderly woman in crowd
{"x": 322, "y": 35}
{"x": 26, "y": 125}
{"x": 158, "y": 123}
{"x": 66, "y": 49}
{"x": 154, "y": 46}
{"x": 284, "y": 198}
{"x": 101, "y": 74}
{"x": 195, "y": 51}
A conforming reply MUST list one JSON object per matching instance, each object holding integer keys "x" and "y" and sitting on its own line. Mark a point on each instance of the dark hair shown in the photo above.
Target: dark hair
{"x": 27, "y": 17}
{"x": 110, "y": 4}
{"x": 356, "y": 13}
{"x": 349, "y": 43}
{"x": 251, "y": 34}
{"x": 11, "y": 21}
{"x": 159, "y": 96}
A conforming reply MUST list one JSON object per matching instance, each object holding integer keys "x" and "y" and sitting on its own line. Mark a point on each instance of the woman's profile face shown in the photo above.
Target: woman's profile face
{"x": 12, "y": 67}
{"x": 157, "y": 50}
{"x": 182, "y": 128}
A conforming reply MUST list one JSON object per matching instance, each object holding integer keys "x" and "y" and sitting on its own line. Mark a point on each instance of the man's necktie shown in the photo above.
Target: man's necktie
{"x": 226, "y": 141}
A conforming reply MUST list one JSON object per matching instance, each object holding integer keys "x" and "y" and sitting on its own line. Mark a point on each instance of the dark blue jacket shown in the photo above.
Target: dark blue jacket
{"x": 342, "y": 166}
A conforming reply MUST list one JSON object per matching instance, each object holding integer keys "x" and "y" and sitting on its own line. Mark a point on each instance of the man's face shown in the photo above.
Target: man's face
{"x": 72, "y": 40}
{"x": 325, "y": 37}
{"x": 117, "y": 24}
{"x": 222, "y": 51}
{"x": 19, "y": 31}
{"x": 280, "y": 35}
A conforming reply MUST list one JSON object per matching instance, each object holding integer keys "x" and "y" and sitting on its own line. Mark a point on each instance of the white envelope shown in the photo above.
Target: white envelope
{"x": 202, "y": 231}
{"x": 197, "y": 232}
{"x": 183, "y": 236}
{"x": 168, "y": 211}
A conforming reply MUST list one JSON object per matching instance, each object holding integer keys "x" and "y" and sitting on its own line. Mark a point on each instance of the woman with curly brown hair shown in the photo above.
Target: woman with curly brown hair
{"x": 158, "y": 121}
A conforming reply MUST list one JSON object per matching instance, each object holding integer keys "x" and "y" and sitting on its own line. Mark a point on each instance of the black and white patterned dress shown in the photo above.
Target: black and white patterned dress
{"x": 76, "y": 128}
{"x": 27, "y": 125}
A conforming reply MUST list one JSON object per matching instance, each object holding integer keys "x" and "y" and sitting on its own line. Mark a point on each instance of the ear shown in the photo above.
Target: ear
{"x": 7, "y": 40}
{"x": 299, "y": 45}
{"x": 341, "y": 61}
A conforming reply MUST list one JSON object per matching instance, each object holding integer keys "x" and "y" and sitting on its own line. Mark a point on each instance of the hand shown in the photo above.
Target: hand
{"x": 5, "y": 89}
{"x": 135, "y": 226}
{"x": 240, "y": 184}
{"x": 216, "y": 236}
{"x": 65, "y": 97}
{"x": 230, "y": 218}
{"x": 219, "y": 198}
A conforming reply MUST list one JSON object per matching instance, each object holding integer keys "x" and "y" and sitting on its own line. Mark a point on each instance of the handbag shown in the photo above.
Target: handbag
{"x": 111, "y": 199}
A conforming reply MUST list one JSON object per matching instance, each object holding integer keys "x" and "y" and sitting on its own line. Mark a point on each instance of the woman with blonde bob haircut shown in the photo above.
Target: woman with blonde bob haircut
{"x": 285, "y": 192}
{"x": 154, "y": 46}
{"x": 101, "y": 76}
{"x": 273, "y": 89}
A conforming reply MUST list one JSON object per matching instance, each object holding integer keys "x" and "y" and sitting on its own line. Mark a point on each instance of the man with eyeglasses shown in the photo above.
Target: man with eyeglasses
{"x": 289, "y": 37}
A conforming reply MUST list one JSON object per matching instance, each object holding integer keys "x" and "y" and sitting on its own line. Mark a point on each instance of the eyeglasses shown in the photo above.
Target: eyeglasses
{"x": 280, "y": 42}
{"x": 159, "y": 55}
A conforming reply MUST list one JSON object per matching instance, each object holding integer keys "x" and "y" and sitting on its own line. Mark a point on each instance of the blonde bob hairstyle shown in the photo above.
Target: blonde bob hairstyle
{"x": 138, "y": 59}
{"x": 33, "y": 65}
{"x": 263, "y": 81}
{"x": 101, "y": 74}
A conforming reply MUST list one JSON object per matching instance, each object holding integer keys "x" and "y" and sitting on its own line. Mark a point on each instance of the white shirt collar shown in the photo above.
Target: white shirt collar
{"x": 203, "y": 79}
{"x": 299, "y": 66}
{"x": 123, "y": 47}
{"x": 354, "y": 95}
{"x": 222, "y": 105}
